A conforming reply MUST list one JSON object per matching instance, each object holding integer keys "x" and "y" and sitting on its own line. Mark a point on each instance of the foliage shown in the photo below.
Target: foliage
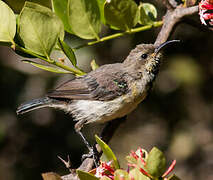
{"x": 38, "y": 31}
{"x": 141, "y": 166}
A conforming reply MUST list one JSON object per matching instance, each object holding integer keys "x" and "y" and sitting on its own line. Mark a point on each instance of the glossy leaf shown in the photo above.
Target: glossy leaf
{"x": 173, "y": 177}
{"x": 156, "y": 163}
{"x": 93, "y": 64}
{"x": 44, "y": 67}
{"x": 148, "y": 13}
{"x": 107, "y": 152}
{"x": 121, "y": 175}
{"x": 67, "y": 51}
{"x": 8, "y": 23}
{"x": 60, "y": 8}
{"x": 39, "y": 28}
{"x": 121, "y": 14}
{"x": 137, "y": 175}
{"x": 85, "y": 175}
{"x": 84, "y": 18}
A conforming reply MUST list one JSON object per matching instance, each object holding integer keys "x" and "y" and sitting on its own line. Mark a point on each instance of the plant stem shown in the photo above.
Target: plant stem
{"x": 51, "y": 61}
{"x": 113, "y": 36}
{"x": 75, "y": 71}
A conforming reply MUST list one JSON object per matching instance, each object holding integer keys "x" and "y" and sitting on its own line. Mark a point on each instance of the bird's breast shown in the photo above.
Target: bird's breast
{"x": 103, "y": 111}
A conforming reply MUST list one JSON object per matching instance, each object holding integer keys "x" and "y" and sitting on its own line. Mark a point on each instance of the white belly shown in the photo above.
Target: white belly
{"x": 102, "y": 111}
{"x": 90, "y": 111}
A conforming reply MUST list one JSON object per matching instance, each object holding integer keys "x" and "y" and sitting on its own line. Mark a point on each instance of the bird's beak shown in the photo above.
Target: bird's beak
{"x": 157, "y": 50}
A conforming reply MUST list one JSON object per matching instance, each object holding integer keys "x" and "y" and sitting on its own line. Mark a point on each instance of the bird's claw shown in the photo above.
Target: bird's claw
{"x": 93, "y": 153}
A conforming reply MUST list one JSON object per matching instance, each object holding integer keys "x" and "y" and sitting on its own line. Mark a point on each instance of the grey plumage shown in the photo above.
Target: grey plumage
{"x": 109, "y": 92}
{"x": 35, "y": 104}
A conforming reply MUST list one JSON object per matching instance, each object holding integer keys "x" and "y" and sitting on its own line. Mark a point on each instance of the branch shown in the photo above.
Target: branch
{"x": 116, "y": 35}
{"x": 171, "y": 18}
{"x": 168, "y": 5}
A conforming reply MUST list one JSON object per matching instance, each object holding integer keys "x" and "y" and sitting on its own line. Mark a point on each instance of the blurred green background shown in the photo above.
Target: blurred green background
{"x": 177, "y": 116}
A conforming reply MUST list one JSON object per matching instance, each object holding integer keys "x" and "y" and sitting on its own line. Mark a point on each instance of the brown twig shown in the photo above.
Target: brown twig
{"x": 170, "y": 19}
{"x": 173, "y": 3}
{"x": 168, "y": 5}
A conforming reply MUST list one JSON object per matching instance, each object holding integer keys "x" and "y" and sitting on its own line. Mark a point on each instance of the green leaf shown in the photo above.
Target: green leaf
{"x": 173, "y": 177}
{"x": 93, "y": 65}
{"x": 101, "y": 4}
{"x": 39, "y": 28}
{"x": 60, "y": 8}
{"x": 44, "y": 67}
{"x": 107, "y": 152}
{"x": 130, "y": 159}
{"x": 7, "y": 22}
{"x": 85, "y": 175}
{"x": 67, "y": 51}
{"x": 84, "y": 18}
{"x": 137, "y": 175}
{"x": 148, "y": 13}
{"x": 121, "y": 175}
{"x": 121, "y": 14}
{"x": 155, "y": 163}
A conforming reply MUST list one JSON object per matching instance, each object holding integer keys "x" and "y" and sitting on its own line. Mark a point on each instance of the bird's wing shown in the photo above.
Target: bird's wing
{"x": 100, "y": 85}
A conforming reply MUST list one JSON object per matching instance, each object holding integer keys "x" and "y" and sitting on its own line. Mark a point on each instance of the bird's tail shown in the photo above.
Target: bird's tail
{"x": 34, "y": 104}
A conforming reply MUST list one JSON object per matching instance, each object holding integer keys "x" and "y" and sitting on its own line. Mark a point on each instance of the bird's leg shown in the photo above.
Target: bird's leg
{"x": 92, "y": 149}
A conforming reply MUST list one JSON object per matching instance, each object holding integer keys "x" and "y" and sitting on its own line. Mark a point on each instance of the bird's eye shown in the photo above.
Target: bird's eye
{"x": 144, "y": 56}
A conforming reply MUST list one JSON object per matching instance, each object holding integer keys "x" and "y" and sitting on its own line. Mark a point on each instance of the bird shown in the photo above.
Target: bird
{"x": 109, "y": 92}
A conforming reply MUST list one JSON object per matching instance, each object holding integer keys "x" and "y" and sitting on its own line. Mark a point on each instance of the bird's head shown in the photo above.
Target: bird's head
{"x": 146, "y": 57}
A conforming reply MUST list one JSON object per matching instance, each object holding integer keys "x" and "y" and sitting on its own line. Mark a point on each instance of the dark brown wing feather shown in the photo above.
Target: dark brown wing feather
{"x": 106, "y": 83}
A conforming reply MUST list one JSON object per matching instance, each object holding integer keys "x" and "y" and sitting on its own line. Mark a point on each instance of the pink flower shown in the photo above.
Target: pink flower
{"x": 105, "y": 169}
{"x": 139, "y": 154}
{"x": 206, "y": 12}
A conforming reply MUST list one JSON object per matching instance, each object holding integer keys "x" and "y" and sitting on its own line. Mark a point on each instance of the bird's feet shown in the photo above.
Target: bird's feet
{"x": 93, "y": 153}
